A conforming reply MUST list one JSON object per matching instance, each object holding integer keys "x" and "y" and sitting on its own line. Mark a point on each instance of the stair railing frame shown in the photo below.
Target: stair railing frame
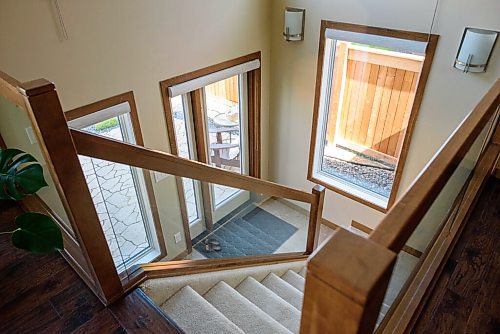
{"x": 348, "y": 275}
{"x": 61, "y": 146}
{"x": 40, "y": 101}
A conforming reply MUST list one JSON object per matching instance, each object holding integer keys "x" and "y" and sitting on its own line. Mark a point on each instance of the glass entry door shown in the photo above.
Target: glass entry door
{"x": 186, "y": 148}
{"x": 214, "y": 130}
{"x": 226, "y": 123}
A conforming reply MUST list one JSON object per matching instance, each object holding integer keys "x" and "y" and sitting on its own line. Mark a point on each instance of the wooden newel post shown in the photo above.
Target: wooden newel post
{"x": 56, "y": 143}
{"x": 345, "y": 285}
{"x": 315, "y": 216}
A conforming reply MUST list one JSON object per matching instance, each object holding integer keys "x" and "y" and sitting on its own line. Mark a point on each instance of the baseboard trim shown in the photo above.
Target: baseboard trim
{"x": 293, "y": 206}
{"x": 407, "y": 249}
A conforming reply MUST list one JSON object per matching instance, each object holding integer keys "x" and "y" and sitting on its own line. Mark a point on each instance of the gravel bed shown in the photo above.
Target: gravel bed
{"x": 377, "y": 180}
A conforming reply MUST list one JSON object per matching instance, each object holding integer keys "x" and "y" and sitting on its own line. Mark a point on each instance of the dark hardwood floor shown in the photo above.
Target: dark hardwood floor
{"x": 42, "y": 294}
{"x": 466, "y": 298}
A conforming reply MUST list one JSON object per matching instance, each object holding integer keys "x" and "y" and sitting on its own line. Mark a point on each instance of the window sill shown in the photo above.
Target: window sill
{"x": 352, "y": 192}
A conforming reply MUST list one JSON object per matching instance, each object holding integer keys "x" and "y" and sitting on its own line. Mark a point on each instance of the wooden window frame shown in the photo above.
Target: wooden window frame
{"x": 431, "y": 40}
{"x": 254, "y": 127}
{"x": 136, "y": 128}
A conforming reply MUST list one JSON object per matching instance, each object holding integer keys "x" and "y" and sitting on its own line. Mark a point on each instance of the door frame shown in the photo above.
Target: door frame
{"x": 197, "y": 105}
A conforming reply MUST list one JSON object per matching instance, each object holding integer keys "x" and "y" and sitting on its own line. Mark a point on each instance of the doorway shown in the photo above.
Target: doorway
{"x": 213, "y": 117}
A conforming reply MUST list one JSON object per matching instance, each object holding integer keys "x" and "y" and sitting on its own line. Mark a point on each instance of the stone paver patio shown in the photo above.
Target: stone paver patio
{"x": 117, "y": 203}
{"x": 215, "y": 106}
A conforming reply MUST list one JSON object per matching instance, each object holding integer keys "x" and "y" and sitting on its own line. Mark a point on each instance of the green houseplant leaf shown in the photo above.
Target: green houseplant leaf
{"x": 20, "y": 174}
{"x": 37, "y": 233}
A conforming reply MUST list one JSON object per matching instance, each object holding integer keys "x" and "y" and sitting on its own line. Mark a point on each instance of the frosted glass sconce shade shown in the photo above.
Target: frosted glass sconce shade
{"x": 475, "y": 50}
{"x": 294, "y": 24}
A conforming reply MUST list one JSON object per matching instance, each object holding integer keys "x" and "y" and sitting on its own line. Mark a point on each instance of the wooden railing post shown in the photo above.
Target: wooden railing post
{"x": 49, "y": 124}
{"x": 315, "y": 216}
{"x": 346, "y": 282}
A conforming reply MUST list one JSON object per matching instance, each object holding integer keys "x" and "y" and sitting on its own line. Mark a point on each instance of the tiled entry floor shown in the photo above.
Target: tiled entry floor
{"x": 297, "y": 218}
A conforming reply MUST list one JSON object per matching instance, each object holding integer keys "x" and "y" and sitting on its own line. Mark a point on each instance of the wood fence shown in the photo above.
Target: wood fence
{"x": 227, "y": 89}
{"x": 371, "y": 99}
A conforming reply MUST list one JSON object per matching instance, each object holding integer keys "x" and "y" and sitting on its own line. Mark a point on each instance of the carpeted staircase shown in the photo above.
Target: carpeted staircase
{"x": 261, "y": 299}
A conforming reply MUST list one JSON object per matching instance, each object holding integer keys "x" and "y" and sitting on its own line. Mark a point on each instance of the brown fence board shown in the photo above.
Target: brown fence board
{"x": 347, "y": 97}
{"x": 406, "y": 117}
{"x": 398, "y": 125}
{"x": 384, "y": 107}
{"x": 226, "y": 88}
{"x": 377, "y": 98}
{"x": 391, "y": 112}
{"x": 361, "y": 101}
{"x": 368, "y": 103}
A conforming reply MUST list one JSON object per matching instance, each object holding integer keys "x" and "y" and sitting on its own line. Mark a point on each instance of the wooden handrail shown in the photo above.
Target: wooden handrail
{"x": 398, "y": 225}
{"x": 8, "y": 89}
{"x": 405, "y": 309}
{"x": 41, "y": 102}
{"x": 112, "y": 150}
{"x": 346, "y": 281}
{"x": 315, "y": 216}
{"x": 187, "y": 267}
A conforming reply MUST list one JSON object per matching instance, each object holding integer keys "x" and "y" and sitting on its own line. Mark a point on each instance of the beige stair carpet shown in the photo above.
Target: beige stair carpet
{"x": 294, "y": 280}
{"x": 270, "y": 303}
{"x": 161, "y": 289}
{"x": 242, "y": 312}
{"x": 303, "y": 271}
{"x": 194, "y": 314}
{"x": 284, "y": 290}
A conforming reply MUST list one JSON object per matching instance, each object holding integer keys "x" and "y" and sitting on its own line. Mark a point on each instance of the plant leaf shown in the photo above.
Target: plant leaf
{"x": 37, "y": 233}
{"x": 20, "y": 174}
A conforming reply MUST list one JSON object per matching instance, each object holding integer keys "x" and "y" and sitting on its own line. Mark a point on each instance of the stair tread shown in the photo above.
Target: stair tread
{"x": 196, "y": 315}
{"x": 241, "y": 311}
{"x": 269, "y": 302}
{"x": 284, "y": 290}
{"x": 294, "y": 280}
{"x": 303, "y": 272}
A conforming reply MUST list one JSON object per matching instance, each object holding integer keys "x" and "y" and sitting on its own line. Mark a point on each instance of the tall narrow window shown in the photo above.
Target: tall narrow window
{"x": 365, "y": 108}
{"x": 122, "y": 194}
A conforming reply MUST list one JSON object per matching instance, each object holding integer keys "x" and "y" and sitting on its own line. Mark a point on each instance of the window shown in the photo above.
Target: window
{"x": 371, "y": 82}
{"x": 122, "y": 195}
{"x": 213, "y": 117}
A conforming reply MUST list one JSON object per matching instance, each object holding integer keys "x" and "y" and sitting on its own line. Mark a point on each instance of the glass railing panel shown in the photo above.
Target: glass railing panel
{"x": 150, "y": 216}
{"x": 13, "y": 122}
{"x": 123, "y": 204}
{"x": 244, "y": 223}
{"x": 442, "y": 211}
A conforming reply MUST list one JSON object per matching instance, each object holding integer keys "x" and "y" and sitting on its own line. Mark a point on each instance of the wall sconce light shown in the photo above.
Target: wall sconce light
{"x": 294, "y": 24}
{"x": 475, "y": 50}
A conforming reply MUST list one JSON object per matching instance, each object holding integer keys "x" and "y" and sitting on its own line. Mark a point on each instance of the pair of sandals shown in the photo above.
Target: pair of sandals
{"x": 211, "y": 245}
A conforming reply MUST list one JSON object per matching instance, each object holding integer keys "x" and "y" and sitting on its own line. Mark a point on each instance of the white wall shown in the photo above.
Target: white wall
{"x": 13, "y": 122}
{"x": 449, "y": 96}
{"x": 117, "y": 46}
